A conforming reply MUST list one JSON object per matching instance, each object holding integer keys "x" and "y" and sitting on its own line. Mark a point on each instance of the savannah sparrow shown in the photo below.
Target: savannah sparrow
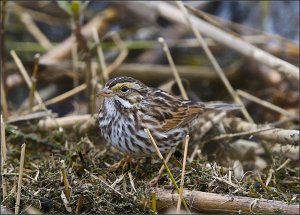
{"x": 129, "y": 106}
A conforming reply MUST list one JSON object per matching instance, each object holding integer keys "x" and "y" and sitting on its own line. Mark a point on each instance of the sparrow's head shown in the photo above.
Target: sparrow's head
{"x": 124, "y": 91}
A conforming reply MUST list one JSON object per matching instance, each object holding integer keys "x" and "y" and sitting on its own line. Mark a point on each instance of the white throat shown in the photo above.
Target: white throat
{"x": 124, "y": 103}
{"x": 110, "y": 105}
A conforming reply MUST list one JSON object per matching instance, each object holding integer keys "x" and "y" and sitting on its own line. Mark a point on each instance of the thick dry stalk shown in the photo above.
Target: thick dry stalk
{"x": 173, "y": 67}
{"x": 147, "y": 131}
{"x": 186, "y": 143}
{"x": 276, "y": 135}
{"x": 3, "y": 159}
{"x": 220, "y": 203}
{"x": 17, "y": 207}
{"x": 172, "y": 13}
{"x": 214, "y": 61}
{"x": 64, "y": 122}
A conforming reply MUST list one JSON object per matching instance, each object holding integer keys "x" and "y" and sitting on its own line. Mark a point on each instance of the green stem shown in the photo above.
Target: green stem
{"x": 176, "y": 186}
{"x": 154, "y": 202}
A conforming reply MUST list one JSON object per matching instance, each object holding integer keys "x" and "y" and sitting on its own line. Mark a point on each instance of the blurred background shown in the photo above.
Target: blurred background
{"x": 128, "y": 33}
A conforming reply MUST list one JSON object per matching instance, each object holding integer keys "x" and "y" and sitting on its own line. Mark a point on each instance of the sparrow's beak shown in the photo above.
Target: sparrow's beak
{"x": 105, "y": 92}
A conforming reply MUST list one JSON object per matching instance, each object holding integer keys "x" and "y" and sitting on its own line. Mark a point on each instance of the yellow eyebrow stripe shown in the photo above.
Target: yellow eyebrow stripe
{"x": 118, "y": 86}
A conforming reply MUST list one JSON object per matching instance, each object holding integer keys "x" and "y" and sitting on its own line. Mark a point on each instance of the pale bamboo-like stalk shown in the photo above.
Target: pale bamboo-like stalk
{"x": 17, "y": 207}
{"x": 220, "y": 203}
{"x": 3, "y": 159}
{"x": 186, "y": 143}
{"x": 173, "y": 67}
{"x": 64, "y": 122}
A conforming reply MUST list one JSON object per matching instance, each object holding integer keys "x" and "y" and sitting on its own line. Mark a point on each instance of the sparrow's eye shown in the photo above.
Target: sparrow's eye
{"x": 124, "y": 89}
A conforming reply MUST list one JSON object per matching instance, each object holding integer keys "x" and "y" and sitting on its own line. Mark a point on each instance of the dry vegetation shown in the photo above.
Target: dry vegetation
{"x": 48, "y": 104}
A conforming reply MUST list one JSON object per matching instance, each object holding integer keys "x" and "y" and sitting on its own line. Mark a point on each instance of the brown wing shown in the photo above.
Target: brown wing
{"x": 181, "y": 116}
{"x": 169, "y": 112}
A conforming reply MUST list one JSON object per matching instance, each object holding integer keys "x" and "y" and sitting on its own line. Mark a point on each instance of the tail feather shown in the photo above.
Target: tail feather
{"x": 222, "y": 106}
